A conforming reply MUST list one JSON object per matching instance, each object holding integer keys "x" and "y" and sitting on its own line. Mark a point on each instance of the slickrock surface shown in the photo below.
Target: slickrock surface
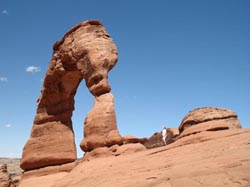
{"x": 220, "y": 158}
{"x": 115, "y": 150}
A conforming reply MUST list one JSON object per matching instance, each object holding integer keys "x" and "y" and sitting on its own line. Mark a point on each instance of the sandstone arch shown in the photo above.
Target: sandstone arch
{"x": 85, "y": 52}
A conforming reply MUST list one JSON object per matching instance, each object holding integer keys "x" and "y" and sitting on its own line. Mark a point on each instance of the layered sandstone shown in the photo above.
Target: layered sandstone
{"x": 51, "y": 143}
{"x": 132, "y": 139}
{"x": 100, "y": 126}
{"x": 156, "y": 139}
{"x": 85, "y": 52}
{"x": 201, "y": 115}
{"x": 114, "y": 150}
{"x": 221, "y": 158}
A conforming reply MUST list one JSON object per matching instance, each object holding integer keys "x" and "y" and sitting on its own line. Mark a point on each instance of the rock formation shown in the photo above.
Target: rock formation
{"x": 114, "y": 150}
{"x": 221, "y": 116}
{"x": 132, "y": 139}
{"x": 156, "y": 139}
{"x": 100, "y": 129}
{"x": 85, "y": 52}
{"x": 5, "y": 180}
{"x": 202, "y": 121}
{"x": 220, "y": 156}
{"x": 223, "y": 159}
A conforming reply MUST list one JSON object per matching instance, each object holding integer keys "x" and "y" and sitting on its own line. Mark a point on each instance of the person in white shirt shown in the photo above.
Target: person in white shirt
{"x": 164, "y": 134}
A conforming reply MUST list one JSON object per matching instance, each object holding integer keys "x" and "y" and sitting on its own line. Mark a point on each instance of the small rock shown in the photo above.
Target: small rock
{"x": 5, "y": 180}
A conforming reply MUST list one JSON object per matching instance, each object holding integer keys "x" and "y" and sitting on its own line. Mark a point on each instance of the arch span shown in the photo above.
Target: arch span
{"x": 85, "y": 52}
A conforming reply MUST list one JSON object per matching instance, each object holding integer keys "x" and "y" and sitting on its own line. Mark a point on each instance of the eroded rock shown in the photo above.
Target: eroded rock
{"x": 200, "y": 115}
{"x": 205, "y": 126}
{"x": 51, "y": 143}
{"x": 114, "y": 150}
{"x": 100, "y": 128}
{"x": 156, "y": 139}
{"x": 132, "y": 139}
{"x": 85, "y": 52}
{"x": 5, "y": 180}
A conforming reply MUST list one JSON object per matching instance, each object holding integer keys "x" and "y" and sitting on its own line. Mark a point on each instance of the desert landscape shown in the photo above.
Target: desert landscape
{"x": 206, "y": 158}
{"x": 13, "y": 166}
{"x": 208, "y": 148}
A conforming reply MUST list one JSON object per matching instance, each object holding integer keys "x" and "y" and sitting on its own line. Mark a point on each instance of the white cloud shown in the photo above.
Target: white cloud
{"x": 5, "y": 12}
{"x": 8, "y": 125}
{"x": 33, "y": 69}
{"x": 3, "y": 79}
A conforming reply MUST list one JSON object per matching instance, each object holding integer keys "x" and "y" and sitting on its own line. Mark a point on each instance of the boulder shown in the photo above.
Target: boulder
{"x": 205, "y": 114}
{"x": 5, "y": 180}
{"x": 156, "y": 139}
{"x": 132, "y": 139}
{"x": 172, "y": 135}
{"x": 205, "y": 126}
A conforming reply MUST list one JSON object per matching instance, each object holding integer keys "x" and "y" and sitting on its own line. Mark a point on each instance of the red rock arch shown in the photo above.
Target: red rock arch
{"x": 85, "y": 52}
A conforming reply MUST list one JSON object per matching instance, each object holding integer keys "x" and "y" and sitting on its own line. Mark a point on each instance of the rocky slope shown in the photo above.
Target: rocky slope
{"x": 210, "y": 158}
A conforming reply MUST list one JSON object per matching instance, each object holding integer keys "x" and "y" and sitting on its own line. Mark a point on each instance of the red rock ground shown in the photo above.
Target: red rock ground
{"x": 210, "y": 158}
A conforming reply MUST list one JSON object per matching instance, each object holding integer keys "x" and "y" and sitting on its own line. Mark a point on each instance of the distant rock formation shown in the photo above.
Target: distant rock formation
{"x": 196, "y": 121}
{"x": 224, "y": 119}
{"x": 5, "y": 179}
{"x": 199, "y": 124}
{"x": 156, "y": 139}
{"x": 85, "y": 52}
{"x": 132, "y": 139}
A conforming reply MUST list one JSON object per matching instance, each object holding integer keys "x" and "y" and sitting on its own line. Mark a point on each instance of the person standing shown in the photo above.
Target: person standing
{"x": 164, "y": 134}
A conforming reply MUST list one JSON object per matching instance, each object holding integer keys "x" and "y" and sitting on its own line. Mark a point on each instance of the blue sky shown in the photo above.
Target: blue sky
{"x": 174, "y": 56}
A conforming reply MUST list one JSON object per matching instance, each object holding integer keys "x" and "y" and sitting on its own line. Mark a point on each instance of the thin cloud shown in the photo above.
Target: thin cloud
{"x": 33, "y": 69}
{"x": 5, "y": 12}
{"x": 3, "y": 79}
{"x": 8, "y": 125}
